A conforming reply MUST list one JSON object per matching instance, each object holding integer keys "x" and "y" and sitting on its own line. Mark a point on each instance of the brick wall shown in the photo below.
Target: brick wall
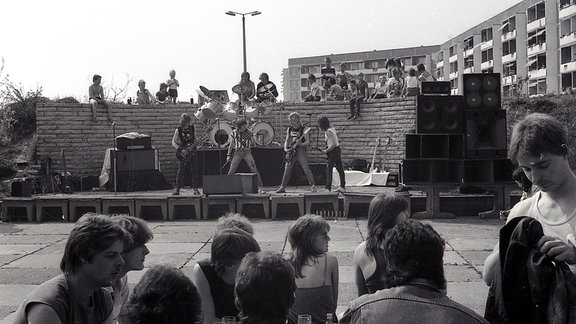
{"x": 69, "y": 127}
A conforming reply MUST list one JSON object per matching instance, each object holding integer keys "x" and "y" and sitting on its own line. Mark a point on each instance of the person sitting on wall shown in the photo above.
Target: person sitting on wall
{"x": 315, "y": 89}
{"x": 96, "y": 97}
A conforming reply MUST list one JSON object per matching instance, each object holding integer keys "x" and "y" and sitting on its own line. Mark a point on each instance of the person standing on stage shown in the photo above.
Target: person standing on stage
{"x": 266, "y": 89}
{"x": 184, "y": 141}
{"x": 241, "y": 142}
{"x": 333, "y": 153}
{"x": 295, "y": 146}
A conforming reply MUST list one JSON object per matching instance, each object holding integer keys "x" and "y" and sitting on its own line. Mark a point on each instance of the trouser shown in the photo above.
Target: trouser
{"x": 246, "y": 155}
{"x": 355, "y": 105}
{"x": 192, "y": 166}
{"x": 301, "y": 157}
{"x": 335, "y": 159}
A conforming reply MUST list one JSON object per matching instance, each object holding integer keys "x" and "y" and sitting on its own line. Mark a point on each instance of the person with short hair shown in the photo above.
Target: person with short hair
{"x": 266, "y": 89}
{"x": 380, "y": 88}
{"x": 423, "y": 74}
{"x": 184, "y": 141}
{"x": 414, "y": 253}
{"x": 162, "y": 95}
{"x": 336, "y": 93}
{"x": 528, "y": 188}
{"x": 265, "y": 288}
{"x": 215, "y": 277}
{"x": 395, "y": 84}
{"x": 333, "y": 154}
{"x": 344, "y": 76}
{"x": 385, "y": 211}
{"x": 411, "y": 84}
{"x": 315, "y": 89}
{"x": 234, "y": 220}
{"x": 164, "y": 295}
{"x": 241, "y": 143}
{"x": 327, "y": 72}
{"x": 173, "y": 85}
{"x": 134, "y": 255}
{"x": 143, "y": 96}
{"x": 96, "y": 97}
{"x": 92, "y": 260}
{"x": 356, "y": 101}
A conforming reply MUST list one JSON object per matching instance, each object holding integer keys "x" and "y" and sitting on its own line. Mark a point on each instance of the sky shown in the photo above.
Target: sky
{"x": 60, "y": 44}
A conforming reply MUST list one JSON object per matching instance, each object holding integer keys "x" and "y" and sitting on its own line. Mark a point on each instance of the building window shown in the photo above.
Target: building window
{"x": 509, "y": 68}
{"x": 567, "y": 81}
{"x": 469, "y": 62}
{"x": 440, "y": 56}
{"x": 355, "y": 66}
{"x": 566, "y": 3}
{"x": 469, "y": 43}
{"x": 452, "y": 50}
{"x": 567, "y": 26}
{"x": 454, "y": 84}
{"x": 418, "y": 59}
{"x": 440, "y": 72}
{"x": 537, "y": 37}
{"x": 454, "y": 67}
{"x": 537, "y": 62}
{"x": 508, "y": 25}
{"x": 487, "y": 55}
{"x": 304, "y": 83}
{"x": 486, "y": 35}
{"x": 536, "y": 12}
{"x": 509, "y": 47}
{"x": 490, "y": 70}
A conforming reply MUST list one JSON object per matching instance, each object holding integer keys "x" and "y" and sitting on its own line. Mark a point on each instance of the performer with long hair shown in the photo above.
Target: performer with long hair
{"x": 184, "y": 141}
{"x": 333, "y": 152}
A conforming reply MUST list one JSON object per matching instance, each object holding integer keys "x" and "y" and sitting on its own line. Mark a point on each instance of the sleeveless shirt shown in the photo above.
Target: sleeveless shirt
{"x": 556, "y": 229}
{"x": 186, "y": 135}
{"x": 222, "y": 293}
{"x": 376, "y": 281}
{"x": 295, "y": 133}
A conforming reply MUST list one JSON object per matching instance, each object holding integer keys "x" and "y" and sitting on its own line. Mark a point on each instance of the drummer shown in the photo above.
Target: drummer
{"x": 266, "y": 89}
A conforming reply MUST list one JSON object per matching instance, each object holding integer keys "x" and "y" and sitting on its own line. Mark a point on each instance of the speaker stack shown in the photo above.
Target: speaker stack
{"x": 459, "y": 139}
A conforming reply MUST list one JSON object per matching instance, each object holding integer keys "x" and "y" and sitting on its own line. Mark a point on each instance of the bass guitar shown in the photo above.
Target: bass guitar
{"x": 185, "y": 154}
{"x": 292, "y": 151}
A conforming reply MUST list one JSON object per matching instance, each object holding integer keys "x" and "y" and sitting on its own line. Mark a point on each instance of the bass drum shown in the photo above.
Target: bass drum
{"x": 262, "y": 133}
{"x": 220, "y": 134}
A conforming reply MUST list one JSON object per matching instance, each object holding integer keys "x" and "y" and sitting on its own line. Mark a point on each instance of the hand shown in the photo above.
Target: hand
{"x": 557, "y": 250}
{"x": 228, "y": 158}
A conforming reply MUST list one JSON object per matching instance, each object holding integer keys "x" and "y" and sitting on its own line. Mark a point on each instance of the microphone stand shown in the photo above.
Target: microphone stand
{"x": 115, "y": 157}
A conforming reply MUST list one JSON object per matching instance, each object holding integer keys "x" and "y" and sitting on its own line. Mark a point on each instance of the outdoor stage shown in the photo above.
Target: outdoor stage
{"x": 427, "y": 202}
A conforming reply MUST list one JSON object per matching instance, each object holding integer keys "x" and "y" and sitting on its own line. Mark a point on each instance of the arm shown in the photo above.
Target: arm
{"x": 231, "y": 145}
{"x": 42, "y": 314}
{"x": 176, "y": 140}
{"x": 306, "y": 141}
{"x": 287, "y": 141}
{"x": 253, "y": 93}
{"x": 331, "y": 141}
{"x": 334, "y": 276}
{"x": 203, "y": 287}
{"x": 152, "y": 98}
{"x": 358, "y": 274}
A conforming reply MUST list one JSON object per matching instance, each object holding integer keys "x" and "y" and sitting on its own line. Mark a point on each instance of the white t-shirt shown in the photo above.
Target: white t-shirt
{"x": 411, "y": 82}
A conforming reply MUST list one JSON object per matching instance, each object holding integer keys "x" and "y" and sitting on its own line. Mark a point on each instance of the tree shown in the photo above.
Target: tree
{"x": 117, "y": 94}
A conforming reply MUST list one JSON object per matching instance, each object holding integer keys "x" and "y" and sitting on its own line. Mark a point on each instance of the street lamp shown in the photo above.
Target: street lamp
{"x": 253, "y": 13}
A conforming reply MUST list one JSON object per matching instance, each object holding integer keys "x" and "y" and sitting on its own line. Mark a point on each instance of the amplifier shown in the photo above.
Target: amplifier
{"x": 139, "y": 143}
{"x": 135, "y": 160}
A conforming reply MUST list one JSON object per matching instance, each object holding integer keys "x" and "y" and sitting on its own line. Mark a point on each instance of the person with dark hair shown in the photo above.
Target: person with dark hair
{"x": 184, "y": 141}
{"x": 143, "y": 96}
{"x": 96, "y": 97}
{"x": 234, "y": 220}
{"x": 266, "y": 89}
{"x": 317, "y": 273}
{"x": 134, "y": 255}
{"x": 336, "y": 93}
{"x": 265, "y": 288}
{"x": 242, "y": 143}
{"x": 162, "y": 96}
{"x": 215, "y": 277}
{"x": 411, "y": 85}
{"x": 333, "y": 154}
{"x": 356, "y": 101}
{"x": 415, "y": 274}
{"x": 528, "y": 189}
{"x": 315, "y": 89}
{"x": 395, "y": 84}
{"x": 385, "y": 212}
{"x": 327, "y": 72}
{"x": 247, "y": 96}
{"x": 423, "y": 74}
{"x": 92, "y": 260}
{"x": 343, "y": 77}
{"x": 539, "y": 146}
{"x": 164, "y": 295}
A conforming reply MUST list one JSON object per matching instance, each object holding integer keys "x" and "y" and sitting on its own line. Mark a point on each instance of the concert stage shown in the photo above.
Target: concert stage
{"x": 162, "y": 205}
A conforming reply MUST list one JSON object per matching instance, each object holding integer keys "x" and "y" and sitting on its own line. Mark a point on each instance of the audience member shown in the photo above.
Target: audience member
{"x": 215, "y": 277}
{"x": 336, "y": 93}
{"x": 264, "y": 289}
{"x": 528, "y": 189}
{"x": 234, "y": 220}
{"x": 327, "y": 72}
{"x": 385, "y": 211}
{"x": 92, "y": 260}
{"x": 164, "y": 295}
{"x": 356, "y": 101}
{"x": 316, "y": 270}
{"x": 143, "y": 96}
{"x": 379, "y": 88}
{"x": 344, "y": 76}
{"x": 162, "y": 96}
{"x": 134, "y": 254}
{"x": 173, "y": 85}
{"x": 96, "y": 97}
{"x": 414, "y": 253}
{"x": 315, "y": 90}
{"x": 395, "y": 84}
{"x": 411, "y": 88}
{"x": 423, "y": 74}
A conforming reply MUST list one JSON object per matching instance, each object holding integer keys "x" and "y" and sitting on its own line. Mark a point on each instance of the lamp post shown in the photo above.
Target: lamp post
{"x": 253, "y": 13}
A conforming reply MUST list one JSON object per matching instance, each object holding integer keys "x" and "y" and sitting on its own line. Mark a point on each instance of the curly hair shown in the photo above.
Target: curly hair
{"x": 382, "y": 214}
{"x": 234, "y": 220}
{"x": 301, "y": 235}
{"x": 164, "y": 295}
{"x": 230, "y": 246}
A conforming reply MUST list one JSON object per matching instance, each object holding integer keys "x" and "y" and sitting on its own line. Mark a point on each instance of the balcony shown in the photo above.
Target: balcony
{"x": 468, "y": 52}
{"x": 486, "y": 65}
{"x": 509, "y": 80}
{"x": 567, "y": 11}
{"x": 568, "y": 67}
{"x": 536, "y": 49}
{"x": 536, "y": 24}
{"x": 537, "y": 74}
{"x": 568, "y": 39}
{"x": 509, "y": 35}
{"x": 440, "y": 64}
{"x": 486, "y": 45}
{"x": 440, "y": 78}
{"x": 453, "y": 58}
{"x": 453, "y": 75}
{"x": 508, "y": 58}
{"x": 469, "y": 70}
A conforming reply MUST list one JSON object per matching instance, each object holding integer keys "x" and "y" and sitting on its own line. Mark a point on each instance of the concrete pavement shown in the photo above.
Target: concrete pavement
{"x": 30, "y": 253}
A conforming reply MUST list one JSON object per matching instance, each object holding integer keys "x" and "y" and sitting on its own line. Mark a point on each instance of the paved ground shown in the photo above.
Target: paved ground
{"x": 30, "y": 254}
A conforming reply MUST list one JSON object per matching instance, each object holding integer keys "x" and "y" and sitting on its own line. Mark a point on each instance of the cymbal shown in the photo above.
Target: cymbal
{"x": 241, "y": 89}
{"x": 206, "y": 91}
{"x": 201, "y": 94}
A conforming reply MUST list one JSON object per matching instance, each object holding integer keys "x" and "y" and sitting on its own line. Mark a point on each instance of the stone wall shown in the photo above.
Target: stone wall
{"x": 69, "y": 127}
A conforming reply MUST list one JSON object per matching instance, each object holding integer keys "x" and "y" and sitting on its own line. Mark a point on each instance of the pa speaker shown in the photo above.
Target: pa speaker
{"x": 439, "y": 114}
{"x": 436, "y": 87}
{"x": 482, "y": 91}
{"x": 435, "y": 146}
{"x": 431, "y": 171}
{"x": 222, "y": 184}
{"x": 21, "y": 188}
{"x": 486, "y": 134}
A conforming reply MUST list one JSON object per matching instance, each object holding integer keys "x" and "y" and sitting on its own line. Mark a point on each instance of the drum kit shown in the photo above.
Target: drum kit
{"x": 220, "y": 117}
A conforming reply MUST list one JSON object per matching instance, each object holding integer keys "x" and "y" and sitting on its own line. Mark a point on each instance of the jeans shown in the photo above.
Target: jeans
{"x": 355, "y": 105}
{"x": 301, "y": 157}
{"x": 192, "y": 165}
{"x": 335, "y": 159}
{"x": 246, "y": 155}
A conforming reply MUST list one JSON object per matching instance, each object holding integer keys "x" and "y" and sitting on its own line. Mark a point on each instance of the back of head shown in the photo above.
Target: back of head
{"x": 312, "y": 78}
{"x": 332, "y": 81}
{"x": 234, "y": 220}
{"x": 519, "y": 176}
{"x": 382, "y": 214}
{"x": 265, "y": 287}
{"x": 164, "y": 295}
{"x": 414, "y": 250}
{"x": 420, "y": 67}
{"x": 163, "y": 86}
{"x": 137, "y": 228}
{"x": 324, "y": 123}
{"x": 412, "y": 72}
{"x": 91, "y": 234}
{"x": 230, "y": 246}
{"x": 301, "y": 235}
{"x": 537, "y": 134}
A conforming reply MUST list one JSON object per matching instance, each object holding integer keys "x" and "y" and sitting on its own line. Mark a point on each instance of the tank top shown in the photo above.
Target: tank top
{"x": 295, "y": 133}
{"x": 316, "y": 302}
{"x": 186, "y": 135}
{"x": 222, "y": 293}
{"x": 376, "y": 281}
{"x": 559, "y": 229}
{"x": 334, "y": 140}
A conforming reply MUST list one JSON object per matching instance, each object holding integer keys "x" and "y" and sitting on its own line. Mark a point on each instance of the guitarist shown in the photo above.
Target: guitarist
{"x": 334, "y": 154}
{"x": 184, "y": 142}
{"x": 295, "y": 146}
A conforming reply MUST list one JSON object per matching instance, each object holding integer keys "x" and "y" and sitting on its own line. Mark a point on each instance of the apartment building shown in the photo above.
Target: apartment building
{"x": 532, "y": 45}
{"x": 370, "y": 63}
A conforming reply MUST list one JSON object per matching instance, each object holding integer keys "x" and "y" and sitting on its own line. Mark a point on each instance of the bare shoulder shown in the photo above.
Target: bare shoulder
{"x": 332, "y": 260}
{"x": 360, "y": 256}
{"x": 522, "y": 208}
{"x": 42, "y": 313}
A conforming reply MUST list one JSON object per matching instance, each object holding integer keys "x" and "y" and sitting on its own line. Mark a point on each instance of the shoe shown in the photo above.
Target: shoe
{"x": 313, "y": 189}
{"x": 176, "y": 192}
{"x": 196, "y": 192}
{"x": 355, "y": 117}
{"x": 110, "y": 120}
{"x": 350, "y": 117}
{"x": 261, "y": 191}
{"x": 281, "y": 190}
{"x": 341, "y": 189}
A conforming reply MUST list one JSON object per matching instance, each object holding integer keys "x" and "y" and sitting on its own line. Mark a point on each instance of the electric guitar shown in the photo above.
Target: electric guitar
{"x": 185, "y": 154}
{"x": 321, "y": 150}
{"x": 374, "y": 155}
{"x": 66, "y": 185}
{"x": 292, "y": 151}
